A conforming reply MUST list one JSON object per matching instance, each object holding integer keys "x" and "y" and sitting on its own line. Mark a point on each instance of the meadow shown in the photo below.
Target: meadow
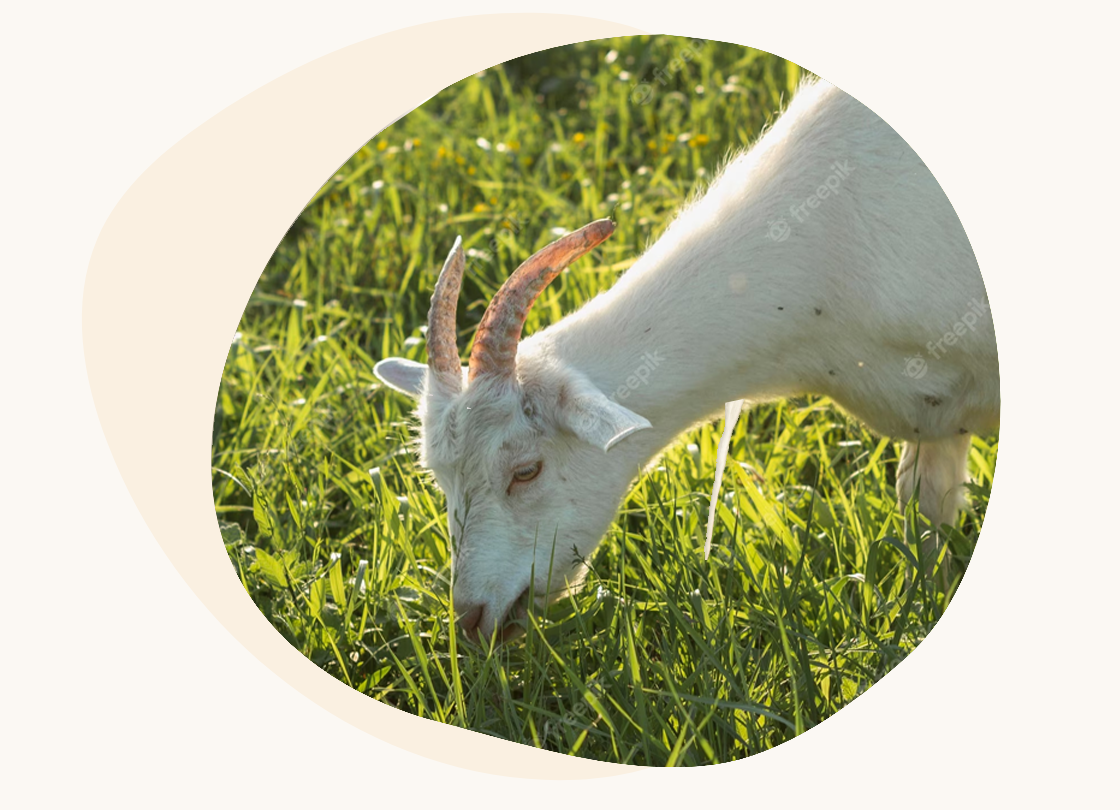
{"x": 813, "y": 591}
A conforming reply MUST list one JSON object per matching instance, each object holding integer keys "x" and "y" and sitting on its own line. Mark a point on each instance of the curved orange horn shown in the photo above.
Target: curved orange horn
{"x": 495, "y": 343}
{"x": 443, "y": 352}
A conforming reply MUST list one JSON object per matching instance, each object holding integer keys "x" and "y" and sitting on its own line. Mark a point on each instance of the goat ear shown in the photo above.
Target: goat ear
{"x": 598, "y": 420}
{"x": 406, "y": 376}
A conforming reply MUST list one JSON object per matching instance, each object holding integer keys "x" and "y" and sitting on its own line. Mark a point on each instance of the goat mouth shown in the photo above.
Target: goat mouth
{"x": 510, "y": 625}
{"x": 513, "y": 623}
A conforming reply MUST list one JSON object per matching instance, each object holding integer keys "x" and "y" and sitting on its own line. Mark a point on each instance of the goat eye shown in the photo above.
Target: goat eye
{"x": 527, "y": 473}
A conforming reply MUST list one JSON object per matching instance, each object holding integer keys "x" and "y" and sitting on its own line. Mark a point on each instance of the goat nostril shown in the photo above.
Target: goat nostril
{"x": 469, "y": 619}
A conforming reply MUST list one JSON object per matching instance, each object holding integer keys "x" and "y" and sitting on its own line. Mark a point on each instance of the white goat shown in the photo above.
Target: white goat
{"x": 824, "y": 260}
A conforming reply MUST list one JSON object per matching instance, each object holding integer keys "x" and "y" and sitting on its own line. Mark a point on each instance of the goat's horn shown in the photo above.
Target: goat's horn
{"x": 443, "y": 353}
{"x": 495, "y": 343}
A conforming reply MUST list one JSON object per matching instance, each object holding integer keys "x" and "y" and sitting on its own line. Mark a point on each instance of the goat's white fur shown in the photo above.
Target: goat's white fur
{"x": 845, "y": 301}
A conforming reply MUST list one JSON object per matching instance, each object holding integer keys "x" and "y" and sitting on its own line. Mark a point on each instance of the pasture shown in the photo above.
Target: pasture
{"x": 812, "y": 592}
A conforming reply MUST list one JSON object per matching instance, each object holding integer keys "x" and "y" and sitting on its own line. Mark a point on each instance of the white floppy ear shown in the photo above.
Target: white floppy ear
{"x": 406, "y": 376}
{"x": 595, "y": 418}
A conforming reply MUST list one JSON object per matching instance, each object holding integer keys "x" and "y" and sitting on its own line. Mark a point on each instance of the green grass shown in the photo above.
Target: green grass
{"x": 664, "y": 658}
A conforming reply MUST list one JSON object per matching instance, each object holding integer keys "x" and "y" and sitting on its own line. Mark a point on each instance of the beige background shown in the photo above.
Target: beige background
{"x": 197, "y": 228}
